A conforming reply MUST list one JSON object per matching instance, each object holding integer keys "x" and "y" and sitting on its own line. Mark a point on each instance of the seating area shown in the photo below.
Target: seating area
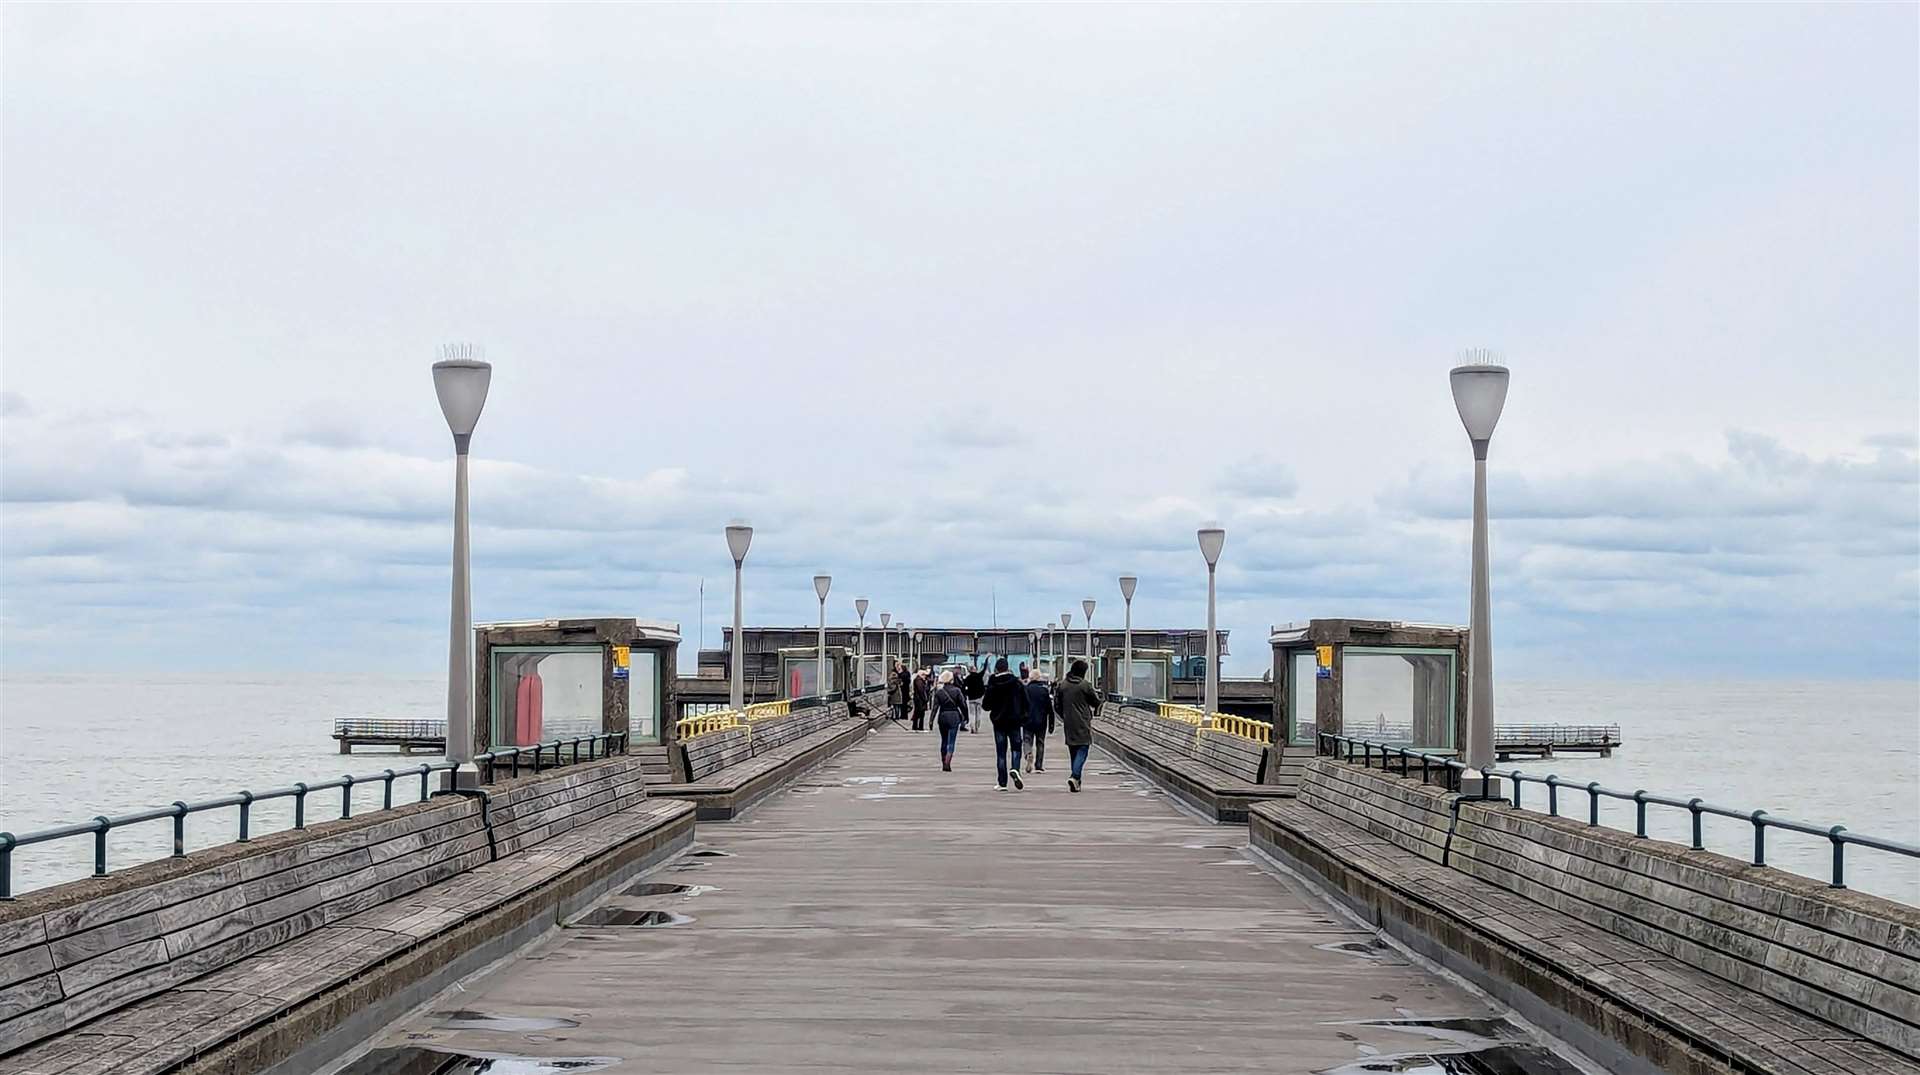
{"x": 254, "y": 952}
{"x": 1217, "y": 772}
{"x": 731, "y": 767}
{"x": 1662, "y": 956}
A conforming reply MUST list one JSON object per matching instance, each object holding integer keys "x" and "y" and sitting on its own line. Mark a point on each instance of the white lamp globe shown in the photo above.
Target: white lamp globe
{"x": 1479, "y": 394}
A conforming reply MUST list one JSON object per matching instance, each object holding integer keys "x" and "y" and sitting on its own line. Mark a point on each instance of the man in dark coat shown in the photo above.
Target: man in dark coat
{"x": 976, "y": 688}
{"x": 1005, "y": 700}
{"x": 1039, "y": 719}
{"x": 922, "y": 696}
{"x": 1079, "y": 703}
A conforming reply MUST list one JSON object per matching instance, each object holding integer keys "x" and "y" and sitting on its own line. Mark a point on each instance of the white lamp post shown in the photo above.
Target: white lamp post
{"x": 886, "y": 670}
{"x": 821, "y": 584}
{"x": 739, "y": 537}
{"x": 1066, "y": 640}
{"x": 1479, "y": 394}
{"x": 1212, "y": 540}
{"x": 461, "y": 382}
{"x": 860, "y": 646}
{"x": 1086, "y": 605}
{"x": 1127, "y": 583}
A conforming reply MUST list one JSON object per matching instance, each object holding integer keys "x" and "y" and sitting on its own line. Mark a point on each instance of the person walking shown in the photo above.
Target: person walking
{"x": 1039, "y": 719}
{"x": 1079, "y": 704}
{"x": 975, "y": 686}
{"x": 922, "y": 694}
{"x": 949, "y": 712}
{"x": 1005, "y": 701}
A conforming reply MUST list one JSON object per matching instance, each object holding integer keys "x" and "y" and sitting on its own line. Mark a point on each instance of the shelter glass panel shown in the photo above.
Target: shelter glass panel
{"x": 1398, "y": 695}
{"x": 1303, "y": 720}
{"x": 643, "y": 696}
{"x": 542, "y": 693}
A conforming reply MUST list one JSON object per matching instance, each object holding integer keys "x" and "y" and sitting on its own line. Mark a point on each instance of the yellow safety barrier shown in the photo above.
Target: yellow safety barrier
{"x": 763, "y": 710}
{"x": 1258, "y": 731}
{"x": 706, "y": 724}
{"x": 1186, "y": 714}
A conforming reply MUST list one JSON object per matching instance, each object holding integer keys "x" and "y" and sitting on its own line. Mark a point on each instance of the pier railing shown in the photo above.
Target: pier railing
{"x": 381, "y": 728}
{"x": 1448, "y": 769}
{"x": 487, "y": 766}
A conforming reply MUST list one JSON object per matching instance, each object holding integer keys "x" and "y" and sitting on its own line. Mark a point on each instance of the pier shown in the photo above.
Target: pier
{"x": 1512, "y": 741}
{"x": 406, "y": 736}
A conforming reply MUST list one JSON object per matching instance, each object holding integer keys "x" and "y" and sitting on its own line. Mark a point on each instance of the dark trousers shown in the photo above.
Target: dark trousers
{"x": 949, "y": 738}
{"x": 1036, "y": 744}
{"x": 1077, "y": 756}
{"x": 1001, "y": 741}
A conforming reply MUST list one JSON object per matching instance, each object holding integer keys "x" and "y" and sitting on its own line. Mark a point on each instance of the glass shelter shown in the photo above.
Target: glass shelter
{"x": 536, "y": 681}
{"x": 1391, "y": 682}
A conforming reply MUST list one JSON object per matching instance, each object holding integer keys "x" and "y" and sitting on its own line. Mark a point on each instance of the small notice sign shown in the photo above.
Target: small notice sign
{"x": 622, "y": 658}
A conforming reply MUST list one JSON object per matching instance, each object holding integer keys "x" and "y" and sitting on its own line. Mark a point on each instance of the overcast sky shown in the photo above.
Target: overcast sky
{"x": 973, "y": 307}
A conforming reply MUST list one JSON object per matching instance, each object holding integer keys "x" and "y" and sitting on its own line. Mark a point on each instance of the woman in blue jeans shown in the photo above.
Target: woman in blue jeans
{"x": 949, "y": 712}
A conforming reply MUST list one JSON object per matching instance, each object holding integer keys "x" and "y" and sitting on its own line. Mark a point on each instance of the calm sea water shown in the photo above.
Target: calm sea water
{"x": 72, "y": 746}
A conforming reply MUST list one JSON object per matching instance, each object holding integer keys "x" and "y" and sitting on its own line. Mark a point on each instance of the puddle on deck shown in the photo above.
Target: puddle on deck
{"x": 1372, "y": 948}
{"x": 710, "y": 853}
{"x": 627, "y": 916}
{"x": 664, "y": 888}
{"x": 468, "y": 1019}
{"x": 417, "y": 1060}
{"x": 1498, "y": 1060}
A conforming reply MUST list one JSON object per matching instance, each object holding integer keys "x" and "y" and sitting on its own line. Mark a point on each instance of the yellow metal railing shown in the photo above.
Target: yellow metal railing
{"x": 763, "y": 710}
{"x": 706, "y": 724}
{"x": 1185, "y": 714}
{"x": 1258, "y": 731}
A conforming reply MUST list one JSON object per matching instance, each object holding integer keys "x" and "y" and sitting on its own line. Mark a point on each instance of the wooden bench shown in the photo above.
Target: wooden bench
{"x": 148, "y": 968}
{"x": 782, "y": 748}
{"x": 707, "y": 754}
{"x": 1684, "y": 960}
{"x": 1217, "y": 773}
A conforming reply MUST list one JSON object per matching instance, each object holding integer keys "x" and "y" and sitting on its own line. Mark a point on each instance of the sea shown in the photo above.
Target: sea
{"x": 73, "y": 746}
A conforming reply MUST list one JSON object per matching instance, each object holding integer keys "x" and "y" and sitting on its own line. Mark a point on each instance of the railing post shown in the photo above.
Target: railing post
{"x": 576, "y": 751}
{"x": 1839, "y": 856}
{"x": 103, "y": 823}
{"x": 1759, "y": 837}
{"x": 246, "y": 808}
{"x": 515, "y": 773}
{"x": 6, "y": 865}
{"x": 1553, "y": 795}
{"x": 386, "y": 796}
{"x": 1593, "y": 804}
{"x": 1640, "y": 813}
{"x": 346, "y": 796}
{"x": 1693, "y": 806}
{"x": 424, "y": 770}
{"x": 1516, "y": 787}
{"x": 179, "y": 828}
{"x": 1423, "y": 768}
{"x": 299, "y": 804}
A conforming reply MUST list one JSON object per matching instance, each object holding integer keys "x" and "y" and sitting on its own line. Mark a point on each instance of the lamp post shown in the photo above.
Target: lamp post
{"x": 886, "y": 670}
{"x": 1479, "y": 394}
{"x": 1127, "y": 583}
{"x": 1086, "y": 605}
{"x": 1066, "y": 640}
{"x": 461, "y": 382}
{"x": 860, "y": 646}
{"x": 1212, "y": 540}
{"x": 917, "y": 655}
{"x": 821, "y": 584}
{"x": 739, "y": 537}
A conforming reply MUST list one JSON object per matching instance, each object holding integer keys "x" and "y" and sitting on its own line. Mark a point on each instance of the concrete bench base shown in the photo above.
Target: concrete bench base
{"x": 724, "y": 794}
{"x": 1632, "y": 1008}
{"x": 1218, "y": 795}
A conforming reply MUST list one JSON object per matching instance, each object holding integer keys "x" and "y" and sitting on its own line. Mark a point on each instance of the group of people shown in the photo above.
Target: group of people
{"x": 1022, "y": 710}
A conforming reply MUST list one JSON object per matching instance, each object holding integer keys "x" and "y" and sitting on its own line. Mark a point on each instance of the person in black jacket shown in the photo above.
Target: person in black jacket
{"x": 1039, "y": 719}
{"x": 949, "y": 713}
{"x": 922, "y": 695}
{"x": 1006, "y": 704}
{"x": 976, "y": 688}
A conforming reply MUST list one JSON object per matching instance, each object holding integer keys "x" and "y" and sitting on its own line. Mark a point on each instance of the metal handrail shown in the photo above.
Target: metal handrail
{"x": 602, "y": 745}
{"x": 708, "y": 723}
{"x": 1329, "y": 744}
{"x": 764, "y": 710}
{"x": 1186, "y": 714}
{"x": 1259, "y": 731}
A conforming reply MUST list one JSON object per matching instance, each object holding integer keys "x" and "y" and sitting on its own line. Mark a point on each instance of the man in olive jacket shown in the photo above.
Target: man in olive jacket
{"x": 1079, "y": 702}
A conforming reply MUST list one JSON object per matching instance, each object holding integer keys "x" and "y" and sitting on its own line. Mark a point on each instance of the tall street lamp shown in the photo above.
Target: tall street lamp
{"x": 1066, "y": 640}
{"x": 860, "y": 646}
{"x": 1479, "y": 394}
{"x": 886, "y": 670}
{"x": 1127, "y": 583}
{"x": 1086, "y": 605}
{"x": 821, "y": 584}
{"x": 461, "y": 381}
{"x": 1212, "y": 540}
{"x": 739, "y": 537}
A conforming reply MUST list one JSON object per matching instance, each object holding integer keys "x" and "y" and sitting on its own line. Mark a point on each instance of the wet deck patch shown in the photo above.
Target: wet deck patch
{"x": 469, "y": 1019}
{"x": 418, "y": 1060}
{"x": 628, "y": 916}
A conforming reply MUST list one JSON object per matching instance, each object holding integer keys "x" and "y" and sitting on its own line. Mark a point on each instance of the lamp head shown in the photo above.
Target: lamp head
{"x": 739, "y": 537}
{"x": 1087, "y": 607}
{"x": 1127, "y": 583}
{"x": 1065, "y": 619}
{"x": 884, "y": 617}
{"x": 460, "y": 380}
{"x": 860, "y": 606}
{"x": 1479, "y": 394}
{"x": 821, "y": 584}
{"x": 1212, "y": 540}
